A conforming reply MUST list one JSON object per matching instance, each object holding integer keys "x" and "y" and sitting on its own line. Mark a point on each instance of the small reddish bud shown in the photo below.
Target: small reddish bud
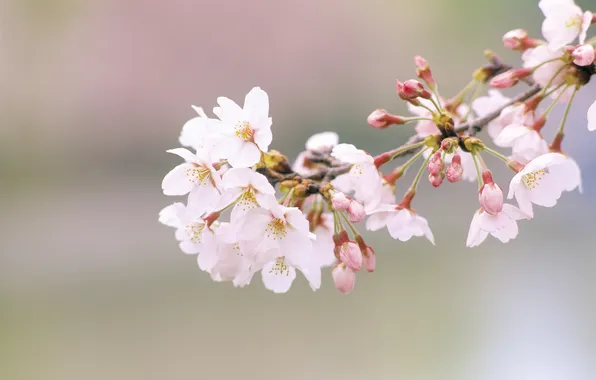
{"x": 356, "y": 212}
{"x": 518, "y": 39}
{"x": 340, "y": 201}
{"x": 380, "y": 119}
{"x": 583, "y": 55}
{"x": 341, "y": 238}
{"x": 490, "y": 195}
{"x": 423, "y": 71}
{"x": 414, "y": 89}
{"x": 435, "y": 180}
{"x": 454, "y": 170}
{"x": 510, "y": 78}
{"x": 435, "y": 164}
{"x": 351, "y": 255}
{"x": 370, "y": 260}
{"x": 344, "y": 278}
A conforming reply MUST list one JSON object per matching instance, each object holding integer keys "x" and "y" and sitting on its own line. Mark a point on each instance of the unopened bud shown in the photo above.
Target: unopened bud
{"x": 423, "y": 72}
{"x": 436, "y": 164}
{"x": 514, "y": 39}
{"x": 454, "y": 170}
{"x": 583, "y": 55}
{"x": 510, "y": 78}
{"x": 435, "y": 180}
{"x": 350, "y": 254}
{"x": 370, "y": 259}
{"x": 490, "y": 195}
{"x": 380, "y": 119}
{"x": 344, "y": 278}
{"x": 341, "y": 238}
{"x": 340, "y": 201}
{"x": 414, "y": 89}
{"x": 356, "y": 212}
{"x": 448, "y": 145}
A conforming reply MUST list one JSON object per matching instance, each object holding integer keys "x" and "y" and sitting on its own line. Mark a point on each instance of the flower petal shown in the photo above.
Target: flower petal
{"x": 510, "y": 134}
{"x": 176, "y": 182}
{"x": 248, "y": 155}
{"x": 592, "y": 117}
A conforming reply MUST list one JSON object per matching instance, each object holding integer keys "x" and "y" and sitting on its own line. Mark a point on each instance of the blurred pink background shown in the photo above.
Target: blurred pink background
{"x": 93, "y": 92}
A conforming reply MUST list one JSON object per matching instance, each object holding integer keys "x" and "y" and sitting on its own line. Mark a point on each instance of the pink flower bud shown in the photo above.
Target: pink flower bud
{"x": 510, "y": 78}
{"x": 344, "y": 278}
{"x": 340, "y": 201}
{"x": 583, "y": 55}
{"x": 435, "y": 164}
{"x": 356, "y": 212}
{"x": 490, "y": 195}
{"x": 350, "y": 254}
{"x": 380, "y": 119}
{"x": 436, "y": 180}
{"x": 454, "y": 171}
{"x": 514, "y": 39}
{"x": 423, "y": 71}
{"x": 370, "y": 260}
{"x": 415, "y": 89}
{"x": 447, "y": 145}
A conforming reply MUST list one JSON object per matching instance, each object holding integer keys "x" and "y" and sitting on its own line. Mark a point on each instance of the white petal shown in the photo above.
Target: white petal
{"x": 172, "y": 215}
{"x": 377, "y": 221}
{"x": 322, "y": 141}
{"x": 263, "y": 135}
{"x": 227, "y": 198}
{"x": 203, "y": 199}
{"x": 248, "y": 155}
{"x": 475, "y": 235}
{"x": 208, "y": 251}
{"x": 177, "y": 182}
{"x": 514, "y": 213}
{"x": 186, "y": 154}
{"x": 586, "y": 22}
{"x": 229, "y": 112}
{"x": 256, "y": 105}
{"x": 278, "y": 277}
{"x": 522, "y": 195}
{"x": 592, "y": 117}
{"x": 510, "y": 134}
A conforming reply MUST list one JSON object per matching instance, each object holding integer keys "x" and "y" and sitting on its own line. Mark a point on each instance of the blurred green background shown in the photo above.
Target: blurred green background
{"x": 93, "y": 92}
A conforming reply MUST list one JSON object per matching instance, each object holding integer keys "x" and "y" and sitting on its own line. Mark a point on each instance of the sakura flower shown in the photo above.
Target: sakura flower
{"x": 247, "y": 130}
{"x": 502, "y": 225}
{"x": 234, "y": 259}
{"x": 363, "y": 178}
{"x": 194, "y": 233}
{"x": 402, "y": 223}
{"x": 246, "y": 189}
{"x": 592, "y": 117}
{"x": 324, "y": 141}
{"x": 319, "y": 142}
{"x": 547, "y": 71}
{"x": 487, "y": 104}
{"x": 527, "y": 143}
{"x": 564, "y": 22}
{"x": 196, "y": 176}
{"x": 583, "y": 55}
{"x": 200, "y": 132}
{"x": 543, "y": 180}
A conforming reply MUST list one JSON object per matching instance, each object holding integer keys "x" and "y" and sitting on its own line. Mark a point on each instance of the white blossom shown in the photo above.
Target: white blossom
{"x": 502, "y": 225}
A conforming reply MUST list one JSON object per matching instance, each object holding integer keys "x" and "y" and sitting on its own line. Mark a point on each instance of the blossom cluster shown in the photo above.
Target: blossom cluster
{"x": 249, "y": 209}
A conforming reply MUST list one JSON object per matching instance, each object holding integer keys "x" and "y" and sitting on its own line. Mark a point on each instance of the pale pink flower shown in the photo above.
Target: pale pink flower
{"x": 514, "y": 39}
{"x": 402, "y": 223}
{"x": 381, "y": 119}
{"x": 245, "y": 189}
{"x": 525, "y": 141}
{"x": 340, "y": 201}
{"x": 564, "y": 22}
{"x": 196, "y": 176}
{"x": 200, "y": 132}
{"x": 543, "y": 74}
{"x": 502, "y": 225}
{"x": 487, "y": 104}
{"x": 344, "y": 278}
{"x": 247, "y": 130}
{"x": 543, "y": 180}
{"x": 491, "y": 198}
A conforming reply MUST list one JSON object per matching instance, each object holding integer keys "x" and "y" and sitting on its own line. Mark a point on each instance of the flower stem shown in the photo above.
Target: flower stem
{"x": 554, "y": 103}
{"x": 496, "y": 154}
{"x": 437, "y": 105}
{"x": 350, "y": 225}
{"x": 566, "y": 113}
{"x": 549, "y": 93}
{"x": 396, "y": 152}
{"x": 417, "y": 179}
{"x": 478, "y": 173}
{"x": 552, "y": 79}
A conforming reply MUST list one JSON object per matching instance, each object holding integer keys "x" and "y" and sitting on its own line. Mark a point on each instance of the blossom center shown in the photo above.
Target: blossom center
{"x": 574, "y": 21}
{"x": 244, "y": 131}
{"x": 247, "y": 199}
{"x": 195, "y": 231}
{"x": 532, "y": 180}
{"x": 198, "y": 174}
{"x": 280, "y": 267}
{"x": 276, "y": 229}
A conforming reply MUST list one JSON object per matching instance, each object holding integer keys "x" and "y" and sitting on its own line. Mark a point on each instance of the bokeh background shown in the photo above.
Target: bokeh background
{"x": 93, "y": 92}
